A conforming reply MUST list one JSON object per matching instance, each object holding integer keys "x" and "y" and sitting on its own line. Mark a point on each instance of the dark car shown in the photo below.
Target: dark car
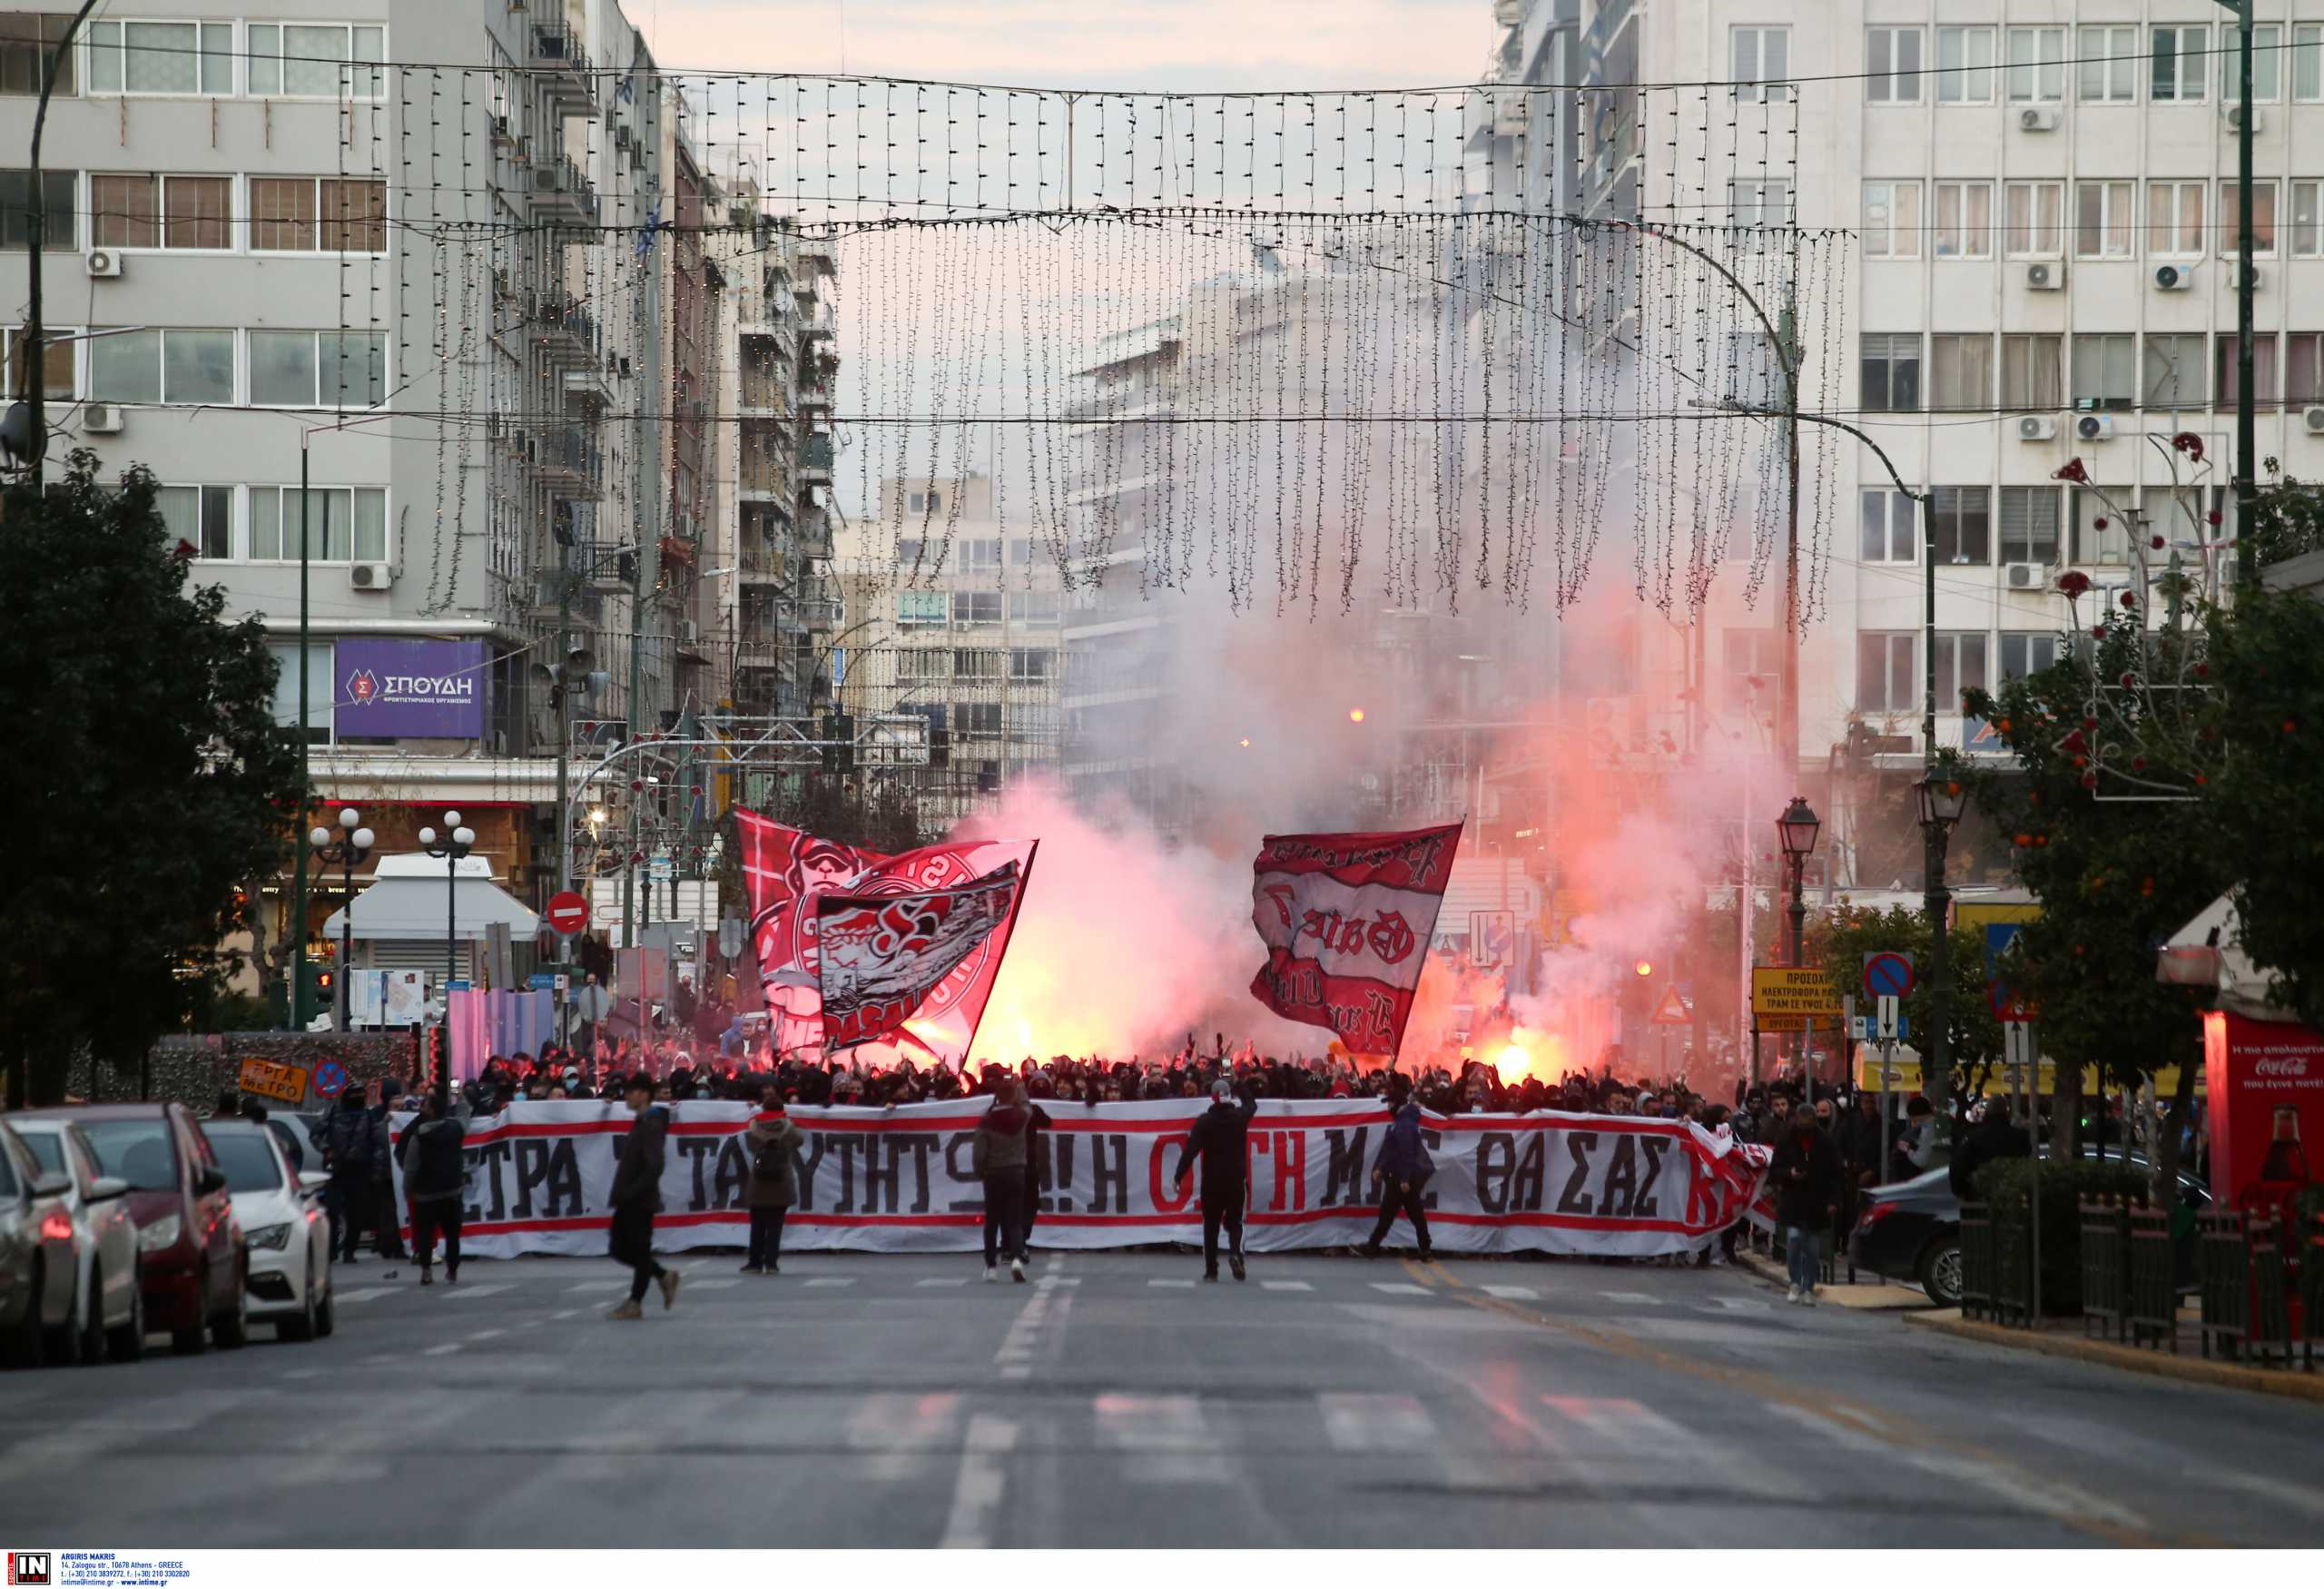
{"x": 38, "y": 1263}
{"x": 1911, "y": 1230}
{"x": 191, "y": 1250}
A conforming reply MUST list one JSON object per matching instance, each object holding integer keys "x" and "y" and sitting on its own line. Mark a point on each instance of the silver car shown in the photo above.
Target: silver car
{"x": 108, "y": 1294}
{"x": 36, "y": 1256}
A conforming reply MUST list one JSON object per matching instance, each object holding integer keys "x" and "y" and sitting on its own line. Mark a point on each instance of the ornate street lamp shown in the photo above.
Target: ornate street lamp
{"x": 1796, "y": 831}
{"x": 353, "y": 844}
{"x": 457, "y": 841}
{"x": 1942, "y": 797}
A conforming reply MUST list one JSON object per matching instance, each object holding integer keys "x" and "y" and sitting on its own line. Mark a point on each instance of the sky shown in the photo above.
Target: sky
{"x": 1189, "y": 45}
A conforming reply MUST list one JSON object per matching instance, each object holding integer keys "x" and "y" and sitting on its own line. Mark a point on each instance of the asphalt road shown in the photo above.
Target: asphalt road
{"x": 1115, "y": 1400}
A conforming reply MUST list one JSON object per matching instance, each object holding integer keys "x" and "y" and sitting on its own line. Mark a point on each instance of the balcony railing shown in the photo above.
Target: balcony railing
{"x": 815, "y": 452}
{"x": 560, "y": 63}
{"x": 560, "y": 185}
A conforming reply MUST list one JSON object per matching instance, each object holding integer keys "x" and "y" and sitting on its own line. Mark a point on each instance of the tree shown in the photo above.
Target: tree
{"x": 1839, "y": 943}
{"x": 152, "y": 776}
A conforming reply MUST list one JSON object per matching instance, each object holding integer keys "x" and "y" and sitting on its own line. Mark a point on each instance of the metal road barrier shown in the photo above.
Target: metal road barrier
{"x": 1978, "y": 1300}
{"x": 2152, "y": 1315}
{"x": 2105, "y": 1264}
{"x": 2223, "y": 1271}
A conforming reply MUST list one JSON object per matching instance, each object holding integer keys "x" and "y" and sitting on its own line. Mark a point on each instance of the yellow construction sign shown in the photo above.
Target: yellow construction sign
{"x": 1904, "y": 1076}
{"x": 1792, "y": 990}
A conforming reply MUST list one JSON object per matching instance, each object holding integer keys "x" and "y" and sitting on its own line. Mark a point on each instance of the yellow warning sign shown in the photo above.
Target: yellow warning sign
{"x": 1792, "y": 990}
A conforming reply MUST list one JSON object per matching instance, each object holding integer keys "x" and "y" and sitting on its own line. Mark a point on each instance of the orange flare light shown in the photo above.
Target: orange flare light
{"x": 1355, "y": 714}
{"x": 1644, "y": 968}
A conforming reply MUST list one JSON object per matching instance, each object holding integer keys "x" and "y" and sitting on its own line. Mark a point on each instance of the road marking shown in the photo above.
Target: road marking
{"x": 1735, "y": 1305}
{"x": 1048, "y": 1280}
{"x": 487, "y": 1290}
{"x": 566, "y": 1313}
{"x": 1017, "y": 1371}
{"x": 1166, "y": 1437}
{"x": 719, "y": 1284}
{"x": 831, "y": 1281}
{"x": 1398, "y": 1288}
{"x": 2298, "y": 1497}
{"x": 977, "y": 1493}
{"x": 1286, "y": 1286}
{"x": 1513, "y": 1293}
{"x": 1626, "y": 1424}
{"x": 486, "y": 1335}
{"x": 1172, "y": 1285}
{"x": 447, "y": 1349}
{"x": 364, "y": 1295}
{"x": 1627, "y": 1299}
{"x": 1376, "y": 1424}
{"x": 930, "y": 1284}
{"x": 900, "y": 1430}
{"x": 596, "y": 1285}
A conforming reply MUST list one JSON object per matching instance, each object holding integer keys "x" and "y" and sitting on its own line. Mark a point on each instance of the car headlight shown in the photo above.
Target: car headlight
{"x": 162, "y": 1232}
{"x": 273, "y": 1238}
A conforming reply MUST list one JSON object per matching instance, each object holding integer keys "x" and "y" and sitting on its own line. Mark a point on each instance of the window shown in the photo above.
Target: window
{"x": 1891, "y": 373}
{"x": 301, "y": 63}
{"x": 1031, "y": 667}
{"x": 2307, "y": 60}
{"x": 2101, "y": 220}
{"x": 1964, "y": 66}
{"x": 2178, "y": 64}
{"x": 2028, "y": 524}
{"x": 1750, "y": 673}
{"x": 60, "y": 225}
{"x": 161, "y": 57}
{"x": 2303, "y": 368}
{"x": 979, "y": 718}
{"x": 1760, "y": 203}
{"x": 57, "y": 356}
{"x": 319, "y": 684}
{"x": 342, "y": 522}
{"x": 1884, "y": 673}
{"x": 1033, "y": 607}
{"x": 907, "y": 551}
{"x": 2099, "y": 533}
{"x": 140, "y": 210}
{"x": 1761, "y": 61}
{"x": 2037, "y": 70}
{"x": 1960, "y": 666}
{"x": 1961, "y": 372}
{"x": 979, "y": 556}
{"x": 162, "y": 367}
{"x": 2104, "y": 376}
{"x": 2267, "y": 66}
{"x": 935, "y": 501}
{"x": 2307, "y": 220}
{"x": 916, "y": 502}
{"x": 924, "y": 664}
{"x": 976, "y": 606}
{"x": 2036, "y": 220}
{"x": 331, "y": 370}
{"x": 2174, "y": 371}
{"x": 200, "y": 516}
{"x": 976, "y": 667}
{"x": 2031, "y": 376}
{"x": 1891, "y": 65}
{"x": 2264, "y": 219}
{"x": 1964, "y": 525}
{"x": 2263, "y": 368}
{"x": 27, "y": 43}
{"x": 2108, "y": 71}
{"x": 2174, "y": 218}
{"x": 305, "y": 214}
{"x": 2024, "y": 655}
{"x": 1892, "y": 221}
{"x": 1965, "y": 220}
{"x": 1890, "y": 533}
{"x": 1020, "y": 551}
{"x": 920, "y": 609}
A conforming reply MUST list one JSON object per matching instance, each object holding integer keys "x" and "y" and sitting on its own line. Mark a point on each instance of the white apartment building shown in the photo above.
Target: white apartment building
{"x": 2043, "y": 194}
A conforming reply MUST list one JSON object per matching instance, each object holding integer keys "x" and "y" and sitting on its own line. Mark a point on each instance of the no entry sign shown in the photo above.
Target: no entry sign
{"x": 569, "y": 913}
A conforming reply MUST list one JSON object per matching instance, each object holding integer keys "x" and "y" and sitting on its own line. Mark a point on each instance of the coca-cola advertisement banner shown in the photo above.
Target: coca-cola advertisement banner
{"x": 2264, "y": 1082}
{"x": 409, "y": 689}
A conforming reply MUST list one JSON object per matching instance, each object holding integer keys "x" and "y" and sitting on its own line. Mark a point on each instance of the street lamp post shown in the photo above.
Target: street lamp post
{"x": 457, "y": 841}
{"x": 1942, "y": 799}
{"x": 352, "y": 846}
{"x": 1796, "y": 829}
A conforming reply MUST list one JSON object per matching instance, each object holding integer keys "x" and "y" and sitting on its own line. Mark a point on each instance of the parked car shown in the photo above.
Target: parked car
{"x": 1911, "y": 1229}
{"x": 36, "y": 1256}
{"x": 108, "y": 1303}
{"x": 282, "y": 1221}
{"x": 192, "y": 1254}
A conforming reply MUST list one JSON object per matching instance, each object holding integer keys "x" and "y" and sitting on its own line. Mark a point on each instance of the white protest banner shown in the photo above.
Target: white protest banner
{"x": 898, "y": 1180}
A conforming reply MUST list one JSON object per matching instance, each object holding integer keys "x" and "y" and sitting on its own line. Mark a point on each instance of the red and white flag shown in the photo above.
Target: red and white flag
{"x": 881, "y": 956}
{"x": 1347, "y": 920}
{"x": 786, "y": 871}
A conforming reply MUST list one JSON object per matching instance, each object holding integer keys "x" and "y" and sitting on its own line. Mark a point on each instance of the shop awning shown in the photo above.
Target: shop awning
{"x": 2208, "y": 953}
{"x": 406, "y": 902}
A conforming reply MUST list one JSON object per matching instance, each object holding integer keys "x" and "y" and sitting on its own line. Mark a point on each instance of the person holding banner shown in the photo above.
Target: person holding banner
{"x": 1402, "y": 1172}
{"x": 999, "y": 1155}
{"x": 636, "y": 1197}
{"x": 1218, "y": 1138}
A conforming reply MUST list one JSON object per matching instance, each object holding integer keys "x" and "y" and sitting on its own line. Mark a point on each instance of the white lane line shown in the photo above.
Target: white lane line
{"x": 1017, "y": 1371}
{"x": 365, "y": 1294}
{"x": 447, "y": 1349}
{"x": 1048, "y": 1280}
{"x": 1622, "y": 1421}
{"x": 1369, "y": 1422}
{"x": 1172, "y": 1285}
{"x": 596, "y": 1285}
{"x": 976, "y": 1493}
{"x": 486, "y": 1335}
{"x": 1735, "y": 1305}
{"x": 1165, "y": 1437}
{"x": 566, "y": 1313}
{"x": 1514, "y": 1293}
{"x": 2300, "y": 1497}
{"x": 1633, "y": 1298}
{"x": 834, "y": 1281}
{"x": 933, "y": 1282}
{"x": 718, "y": 1284}
{"x": 489, "y": 1290}
{"x": 1401, "y": 1288}
{"x": 1285, "y": 1286}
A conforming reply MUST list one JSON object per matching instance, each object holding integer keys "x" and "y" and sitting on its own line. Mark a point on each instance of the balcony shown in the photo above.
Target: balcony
{"x": 601, "y": 563}
{"x": 815, "y": 454}
{"x": 568, "y": 332}
{"x": 562, "y": 190}
{"x": 559, "y": 62}
{"x": 568, "y": 461}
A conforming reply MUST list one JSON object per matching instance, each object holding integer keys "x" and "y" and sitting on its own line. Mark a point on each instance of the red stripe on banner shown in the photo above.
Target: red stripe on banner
{"x": 1421, "y": 858}
{"x": 1191, "y": 1220}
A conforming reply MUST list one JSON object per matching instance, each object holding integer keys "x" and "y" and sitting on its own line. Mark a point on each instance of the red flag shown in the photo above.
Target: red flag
{"x": 785, "y": 872}
{"x": 1347, "y": 920}
{"x": 881, "y": 956}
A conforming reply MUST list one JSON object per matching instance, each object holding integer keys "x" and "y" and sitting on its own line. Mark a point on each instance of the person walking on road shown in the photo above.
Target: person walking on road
{"x": 1217, "y": 1139}
{"x": 637, "y": 1198}
{"x": 773, "y": 1185}
{"x": 999, "y": 1154}
{"x": 1805, "y": 1174}
{"x": 354, "y": 1143}
{"x": 434, "y": 1177}
{"x": 1402, "y": 1172}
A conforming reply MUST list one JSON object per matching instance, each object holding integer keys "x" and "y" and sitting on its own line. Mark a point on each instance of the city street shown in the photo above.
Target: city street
{"x": 1117, "y": 1401}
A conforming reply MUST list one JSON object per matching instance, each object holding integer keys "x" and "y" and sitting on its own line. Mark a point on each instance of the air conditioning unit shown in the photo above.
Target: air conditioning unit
{"x": 2258, "y": 278}
{"x": 689, "y": 632}
{"x": 2095, "y": 428}
{"x": 2038, "y": 118}
{"x": 2314, "y": 419}
{"x": 2174, "y": 278}
{"x": 2233, "y": 115}
{"x": 371, "y": 576}
{"x": 2022, "y": 575}
{"x": 103, "y": 261}
{"x": 2045, "y": 277}
{"x": 2037, "y": 428}
{"x": 102, "y": 419}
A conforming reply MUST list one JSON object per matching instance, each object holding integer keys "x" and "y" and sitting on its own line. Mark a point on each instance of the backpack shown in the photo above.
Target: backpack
{"x": 766, "y": 1158}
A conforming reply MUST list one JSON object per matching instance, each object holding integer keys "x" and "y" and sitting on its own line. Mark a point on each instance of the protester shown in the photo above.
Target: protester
{"x": 1995, "y": 1137}
{"x": 435, "y": 1179}
{"x": 1400, "y": 1173}
{"x": 638, "y": 1196}
{"x": 773, "y": 1184}
{"x": 998, "y": 1155}
{"x": 354, "y": 1146}
{"x": 1805, "y": 1174}
{"x": 1219, "y": 1140}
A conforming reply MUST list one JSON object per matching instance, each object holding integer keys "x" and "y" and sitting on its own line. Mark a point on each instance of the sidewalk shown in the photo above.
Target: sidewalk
{"x": 1868, "y": 1295}
{"x": 2064, "y": 1338}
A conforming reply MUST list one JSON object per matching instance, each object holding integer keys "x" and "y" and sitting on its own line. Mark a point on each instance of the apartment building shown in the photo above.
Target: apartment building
{"x": 2044, "y": 203}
